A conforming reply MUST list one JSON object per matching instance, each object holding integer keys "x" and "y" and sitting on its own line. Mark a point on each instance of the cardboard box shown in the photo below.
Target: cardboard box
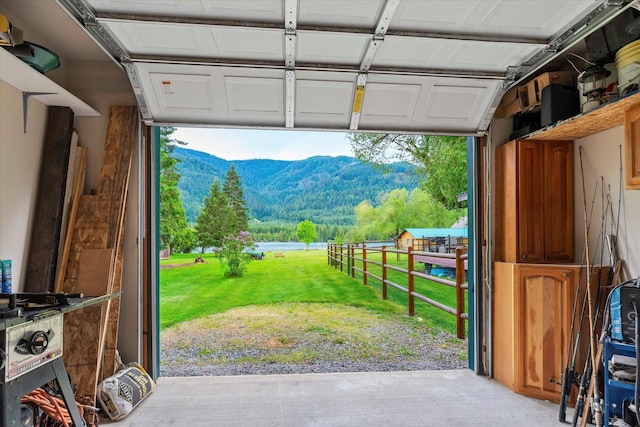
{"x": 531, "y": 93}
{"x": 510, "y": 104}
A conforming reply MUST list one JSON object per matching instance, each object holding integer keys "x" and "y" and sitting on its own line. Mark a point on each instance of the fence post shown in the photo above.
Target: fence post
{"x": 460, "y": 292}
{"x": 410, "y": 281}
{"x": 341, "y": 258}
{"x": 364, "y": 263}
{"x": 384, "y": 272}
{"x": 352, "y": 260}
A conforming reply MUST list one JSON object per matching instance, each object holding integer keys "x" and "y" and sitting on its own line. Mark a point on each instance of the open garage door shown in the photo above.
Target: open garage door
{"x": 407, "y": 66}
{"x": 423, "y": 66}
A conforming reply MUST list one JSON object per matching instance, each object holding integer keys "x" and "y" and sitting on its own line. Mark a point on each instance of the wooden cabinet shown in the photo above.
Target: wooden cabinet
{"x": 534, "y": 201}
{"x": 532, "y": 315}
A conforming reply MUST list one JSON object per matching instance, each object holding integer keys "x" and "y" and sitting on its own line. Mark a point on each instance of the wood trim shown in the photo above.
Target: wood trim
{"x": 77, "y": 191}
{"x": 502, "y": 319}
{"x": 632, "y": 148}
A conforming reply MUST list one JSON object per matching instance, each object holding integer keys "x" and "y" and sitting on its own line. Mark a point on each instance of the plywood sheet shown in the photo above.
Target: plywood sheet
{"x": 82, "y": 330}
{"x": 93, "y": 210}
{"x": 94, "y": 271}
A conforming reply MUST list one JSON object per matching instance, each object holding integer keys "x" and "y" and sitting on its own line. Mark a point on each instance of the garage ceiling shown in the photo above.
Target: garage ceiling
{"x": 424, "y": 66}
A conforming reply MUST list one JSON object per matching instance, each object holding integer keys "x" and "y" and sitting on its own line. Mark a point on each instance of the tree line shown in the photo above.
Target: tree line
{"x": 442, "y": 163}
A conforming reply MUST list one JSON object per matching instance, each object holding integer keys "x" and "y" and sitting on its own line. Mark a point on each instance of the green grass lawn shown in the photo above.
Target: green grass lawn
{"x": 195, "y": 290}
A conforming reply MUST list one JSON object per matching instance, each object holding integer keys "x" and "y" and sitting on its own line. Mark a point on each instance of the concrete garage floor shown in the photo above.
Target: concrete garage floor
{"x": 421, "y": 398}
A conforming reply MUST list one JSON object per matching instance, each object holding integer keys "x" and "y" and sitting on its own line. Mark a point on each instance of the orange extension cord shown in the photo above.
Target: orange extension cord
{"x": 50, "y": 405}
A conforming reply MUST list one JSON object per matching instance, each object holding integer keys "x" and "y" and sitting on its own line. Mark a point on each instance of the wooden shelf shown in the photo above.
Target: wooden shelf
{"x": 608, "y": 116}
{"x": 24, "y": 78}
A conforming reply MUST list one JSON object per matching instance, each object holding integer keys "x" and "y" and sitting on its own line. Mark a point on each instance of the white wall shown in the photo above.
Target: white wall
{"x": 601, "y": 161}
{"x": 19, "y": 168}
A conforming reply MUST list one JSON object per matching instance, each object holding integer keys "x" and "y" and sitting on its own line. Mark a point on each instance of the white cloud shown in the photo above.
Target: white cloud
{"x": 243, "y": 144}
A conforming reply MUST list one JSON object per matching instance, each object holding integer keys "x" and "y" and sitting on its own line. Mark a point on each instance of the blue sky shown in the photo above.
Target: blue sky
{"x": 243, "y": 144}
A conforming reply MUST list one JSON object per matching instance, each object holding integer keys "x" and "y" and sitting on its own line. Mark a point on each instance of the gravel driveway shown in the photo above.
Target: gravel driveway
{"x": 306, "y": 338}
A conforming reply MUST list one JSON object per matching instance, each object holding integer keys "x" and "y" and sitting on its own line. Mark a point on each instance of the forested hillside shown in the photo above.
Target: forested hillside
{"x": 324, "y": 190}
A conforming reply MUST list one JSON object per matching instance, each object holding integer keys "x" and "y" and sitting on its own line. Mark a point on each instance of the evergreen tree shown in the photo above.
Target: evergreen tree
{"x": 232, "y": 188}
{"x": 212, "y": 223}
{"x": 174, "y": 231}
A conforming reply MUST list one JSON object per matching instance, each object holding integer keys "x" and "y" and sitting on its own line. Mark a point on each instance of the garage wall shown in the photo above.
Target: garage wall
{"x": 19, "y": 167}
{"x": 600, "y": 158}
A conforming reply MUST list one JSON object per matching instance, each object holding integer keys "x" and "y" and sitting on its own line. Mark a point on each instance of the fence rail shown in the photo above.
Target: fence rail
{"x": 353, "y": 258}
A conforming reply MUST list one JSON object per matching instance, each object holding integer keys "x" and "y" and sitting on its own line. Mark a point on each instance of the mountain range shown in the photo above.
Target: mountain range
{"x": 322, "y": 189}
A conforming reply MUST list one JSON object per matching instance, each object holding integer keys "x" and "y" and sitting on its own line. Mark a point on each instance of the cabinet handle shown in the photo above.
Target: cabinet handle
{"x": 565, "y": 275}
{"x": 524, "y": 256}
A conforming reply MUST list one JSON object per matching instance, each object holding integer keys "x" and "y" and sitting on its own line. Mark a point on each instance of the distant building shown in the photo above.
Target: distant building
{"x": 433, "y": 239}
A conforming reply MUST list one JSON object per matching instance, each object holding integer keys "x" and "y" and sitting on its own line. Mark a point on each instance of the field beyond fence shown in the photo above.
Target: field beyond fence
{"x": 411, "y": 273}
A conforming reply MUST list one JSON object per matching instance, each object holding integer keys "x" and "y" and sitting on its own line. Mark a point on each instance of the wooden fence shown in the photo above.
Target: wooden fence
{"x": 352, "y": 258}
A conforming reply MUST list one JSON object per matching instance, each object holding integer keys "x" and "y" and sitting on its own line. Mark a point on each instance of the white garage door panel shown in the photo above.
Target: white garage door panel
{"x": 327, "y": 48}
{"x": 175, "y": 92}
{"x": 255, "y": 95}
{"x": 323, "y": 103}
{"x": 447, "y": 54}
{"x": 148, "y": 38}
{"x": 422, "y": 103}
{"x": 390, "y": 102}
{"x": 454, "y": 103}
{"x": 250, "y": 10}
{"x": 353, "y": 13}
{"x": 242, "y": 97}
{"x": 532, "y": 19}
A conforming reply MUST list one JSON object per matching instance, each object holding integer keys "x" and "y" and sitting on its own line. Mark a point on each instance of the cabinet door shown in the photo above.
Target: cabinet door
{"x": 530, "y": 201}
{"x": 543, "y": 314}
{"x": 558, "y": 201}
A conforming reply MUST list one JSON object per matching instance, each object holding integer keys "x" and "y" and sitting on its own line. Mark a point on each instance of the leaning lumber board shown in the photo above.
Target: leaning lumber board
{"x": 116, "y": 165}
{"x": 74, "y": 159}
{"x": 111, "y": 339}
{"x": 99, "y": 226}
{"x": 114, "y": 180}
{"x": 73, "y": 211}
{"x": 45, "y": 231}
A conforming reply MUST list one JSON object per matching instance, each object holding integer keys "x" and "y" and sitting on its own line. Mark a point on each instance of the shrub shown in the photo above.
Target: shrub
{"x": 232, "y": 254}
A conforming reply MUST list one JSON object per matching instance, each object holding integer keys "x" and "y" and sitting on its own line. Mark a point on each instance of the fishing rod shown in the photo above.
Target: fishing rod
{"x": 569, "y": 374}
{"x": 596, "y": 404}
{"x": 587, "y": 373}
{"x": 613, "y": 279}
{"x": 615, "y": 245}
